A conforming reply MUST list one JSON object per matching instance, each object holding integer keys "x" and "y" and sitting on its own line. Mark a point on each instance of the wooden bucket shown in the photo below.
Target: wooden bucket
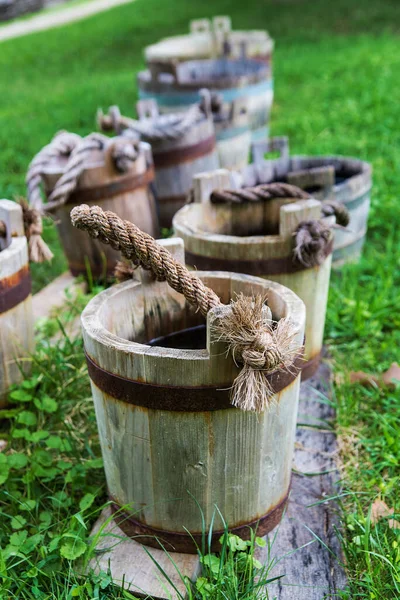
{"x": 175, "y": 86}
{"x": 347, "y": 180}
{"x": 257, "y": 238}
{"x": 177, "y": 160}
{"x": 127, "y": 194}
{"x": 16, "y": 320}
{"x": 211, "y": 39}
{"x": 169, "y": 435}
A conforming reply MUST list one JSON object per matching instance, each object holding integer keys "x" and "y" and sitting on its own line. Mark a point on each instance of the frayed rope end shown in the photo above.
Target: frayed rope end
{"x": 261, "y": 345}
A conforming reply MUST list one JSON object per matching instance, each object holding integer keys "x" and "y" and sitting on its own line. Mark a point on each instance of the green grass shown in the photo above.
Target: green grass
{"x": 336, "y": 81}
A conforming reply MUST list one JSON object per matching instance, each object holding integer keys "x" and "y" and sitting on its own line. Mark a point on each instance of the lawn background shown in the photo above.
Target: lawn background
{"x": 336, "y": 69}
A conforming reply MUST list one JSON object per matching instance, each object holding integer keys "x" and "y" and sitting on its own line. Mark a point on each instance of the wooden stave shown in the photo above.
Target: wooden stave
{"x": 91, "y": 332}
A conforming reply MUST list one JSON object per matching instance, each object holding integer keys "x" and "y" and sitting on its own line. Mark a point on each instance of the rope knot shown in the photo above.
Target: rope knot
{"x": 338, "y": 210}
{"x": 259, "y": 344}
{"x": 253, "y": 358}
{"x": 312, "y": 243}
{"x": 123, "y": 153}
{"x": 33, "y": 227}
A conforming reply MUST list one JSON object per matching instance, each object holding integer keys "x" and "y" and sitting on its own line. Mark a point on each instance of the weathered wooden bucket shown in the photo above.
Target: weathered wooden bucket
{"x": 16, "y": 321}
{"x": 101, "y": 183}
{"x": 171, "y": 440}
{"x": 347, "y": 180}
{"x": 211, "y": 39}
{"x": 258, "y": 238}
{"x": 180, "y": 150}
{"x": 174, "y": 86}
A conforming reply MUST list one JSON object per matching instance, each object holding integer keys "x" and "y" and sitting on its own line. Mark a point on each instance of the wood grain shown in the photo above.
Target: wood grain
{"x": 311, "y": 569}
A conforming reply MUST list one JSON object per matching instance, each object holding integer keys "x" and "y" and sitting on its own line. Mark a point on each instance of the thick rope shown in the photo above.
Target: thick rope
{"x": 74, "y": 168}
{"x": 123, "y": 153}
{"x": 266, "y": 191}
{"x": 338, "y": 210}
{"x": 142, "y": 249}
{"x": 255, "y": 342}
{"x": 163, "y": 127}
{"x": 61, "y": 145}
{"x": 38, "y": 250}
{"x": 311, "y": 242}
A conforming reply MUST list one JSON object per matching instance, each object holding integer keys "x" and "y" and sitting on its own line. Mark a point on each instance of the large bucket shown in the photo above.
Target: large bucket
{"x": 175, "y": 86}
{"x": 16, "y": 320}
{"x": 171, "y": 440}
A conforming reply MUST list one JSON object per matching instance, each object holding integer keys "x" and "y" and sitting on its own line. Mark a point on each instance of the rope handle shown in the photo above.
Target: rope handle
{"x": 254, "y": 341}
{"x": 152, "y": 129}
{"x": 119, "y": 155}
{"x": 270, "y": 191}
{"x": 143, "y": 250}
{"x": 265, "y": 191}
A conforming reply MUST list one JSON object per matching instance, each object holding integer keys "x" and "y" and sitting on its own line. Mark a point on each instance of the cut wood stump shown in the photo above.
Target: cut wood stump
{"x": 305, "y": 542}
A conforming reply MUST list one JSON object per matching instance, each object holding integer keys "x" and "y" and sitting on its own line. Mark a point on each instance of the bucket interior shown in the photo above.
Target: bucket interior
{"x": 250, "y": 219}
{"x": 166, "y": 320}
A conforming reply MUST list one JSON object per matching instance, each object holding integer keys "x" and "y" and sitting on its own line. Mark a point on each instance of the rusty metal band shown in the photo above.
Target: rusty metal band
{"x": 179, "y": 398}
{"x": 183, "y": 542}
{"x": 114, "y": 188}
{"x": 178, "y": 156}
{"x": 15, "y": 289}
{"x": 310, "y": 367}
{"x": 269, "y": 266}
